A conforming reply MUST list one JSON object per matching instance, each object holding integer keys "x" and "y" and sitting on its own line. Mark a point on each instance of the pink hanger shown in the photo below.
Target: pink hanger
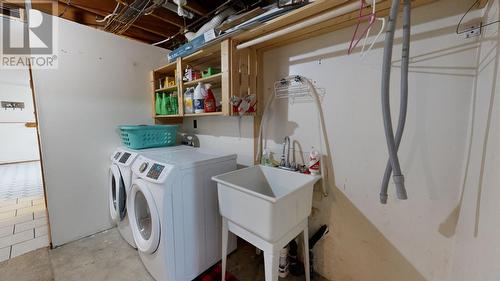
{"x": 371, "y": 20}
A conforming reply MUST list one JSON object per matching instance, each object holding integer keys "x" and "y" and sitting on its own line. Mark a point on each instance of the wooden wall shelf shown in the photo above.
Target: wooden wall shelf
{"x": 214, "y": 80}
{"x": 309, "y": 11}
{"x": 235, "y": 79}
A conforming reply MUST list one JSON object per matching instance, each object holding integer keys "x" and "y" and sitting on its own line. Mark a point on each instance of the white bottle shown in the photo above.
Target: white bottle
{"x": 199, "y": 98}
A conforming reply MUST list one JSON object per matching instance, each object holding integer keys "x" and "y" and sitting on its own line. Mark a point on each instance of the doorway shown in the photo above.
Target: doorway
{"x": 24, "y": 223}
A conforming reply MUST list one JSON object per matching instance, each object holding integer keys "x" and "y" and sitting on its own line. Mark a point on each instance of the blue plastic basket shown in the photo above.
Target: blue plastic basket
{"x": 147, "y": 136}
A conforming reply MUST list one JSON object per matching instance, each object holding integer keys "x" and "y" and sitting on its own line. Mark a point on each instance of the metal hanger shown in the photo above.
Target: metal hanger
{"x": 372, "y": 17}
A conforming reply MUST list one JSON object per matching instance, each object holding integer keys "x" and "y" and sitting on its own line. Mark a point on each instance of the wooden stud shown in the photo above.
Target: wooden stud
{"x": 180, "y": 87}
{"x": 226, "y": 75}
{"x": 257, "y": 120}
{"x": 153, "y": 82}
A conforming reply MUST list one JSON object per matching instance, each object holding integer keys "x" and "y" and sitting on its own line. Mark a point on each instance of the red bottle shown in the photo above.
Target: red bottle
{"x": 210, "y": 103}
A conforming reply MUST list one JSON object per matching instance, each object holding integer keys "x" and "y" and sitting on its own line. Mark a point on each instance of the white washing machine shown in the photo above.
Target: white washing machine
{"x": 120, "y": 180}
{"x": 174, "y": 212}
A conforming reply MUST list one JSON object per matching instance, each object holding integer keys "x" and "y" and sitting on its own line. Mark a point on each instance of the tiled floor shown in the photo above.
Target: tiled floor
{"x": 23, "y": 217}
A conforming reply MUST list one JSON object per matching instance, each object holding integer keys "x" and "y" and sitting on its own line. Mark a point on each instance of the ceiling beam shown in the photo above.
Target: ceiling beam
{"x": 104, "y": 8}
{"x": 196, "y": 7}
{"x": 160, "y": 13}
{"x": 148, "y": 24}
{"x": 87, "y": 18}
{"x": 169, "y": 17}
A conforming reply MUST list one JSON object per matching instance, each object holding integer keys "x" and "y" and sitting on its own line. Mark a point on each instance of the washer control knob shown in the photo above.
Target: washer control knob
{"x": 143, "y": 167}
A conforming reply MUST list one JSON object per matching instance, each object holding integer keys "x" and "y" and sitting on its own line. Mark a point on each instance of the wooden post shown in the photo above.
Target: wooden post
{"x": 226, "y": 60}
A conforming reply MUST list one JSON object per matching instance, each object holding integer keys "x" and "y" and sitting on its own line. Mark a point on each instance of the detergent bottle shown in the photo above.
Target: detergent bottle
{"x": 199, "y": 98}
{"x": 210, "y": 103}
{"x": 188, "y": 101}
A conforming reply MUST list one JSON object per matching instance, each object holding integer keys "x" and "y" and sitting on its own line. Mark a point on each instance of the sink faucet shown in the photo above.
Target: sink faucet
{"x": 285, "y": 157}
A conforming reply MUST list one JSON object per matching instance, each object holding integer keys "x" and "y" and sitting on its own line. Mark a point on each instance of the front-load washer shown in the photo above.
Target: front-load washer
{"x": 120, "y": 179}
{"x": 174, "y": 214}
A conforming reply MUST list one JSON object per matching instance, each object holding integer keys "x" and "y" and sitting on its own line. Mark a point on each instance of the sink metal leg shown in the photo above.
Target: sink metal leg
{"x": 225, "y": 233}
{"x": 271, "y": 264}
{"x": 271, "y": 250}
{"x": 306, "y": 255}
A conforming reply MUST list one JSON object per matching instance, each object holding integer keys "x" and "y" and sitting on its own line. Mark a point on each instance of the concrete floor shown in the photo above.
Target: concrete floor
{"x": 106, "y": 257}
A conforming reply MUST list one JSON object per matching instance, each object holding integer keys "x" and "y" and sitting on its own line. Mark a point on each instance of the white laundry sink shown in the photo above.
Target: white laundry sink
{"x": 266, "y": 201}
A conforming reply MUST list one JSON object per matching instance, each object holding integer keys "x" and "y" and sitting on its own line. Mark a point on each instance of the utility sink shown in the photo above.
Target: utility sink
{"x": 266, "y": 201}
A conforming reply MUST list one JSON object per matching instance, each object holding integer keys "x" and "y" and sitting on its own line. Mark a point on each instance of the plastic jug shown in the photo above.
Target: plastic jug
{"x": 188, "y": 101}
{"x": 199, "y": 98}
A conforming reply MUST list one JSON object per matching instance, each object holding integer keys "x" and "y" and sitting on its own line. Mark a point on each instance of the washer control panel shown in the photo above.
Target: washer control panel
{"x": 155, "y": 171}
{"x": 123, "y": 157}
{"x": 150, "y": 170}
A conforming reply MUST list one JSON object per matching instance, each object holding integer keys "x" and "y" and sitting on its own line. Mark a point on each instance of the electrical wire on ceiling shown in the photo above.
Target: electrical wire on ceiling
{"x": 125, "y": 14}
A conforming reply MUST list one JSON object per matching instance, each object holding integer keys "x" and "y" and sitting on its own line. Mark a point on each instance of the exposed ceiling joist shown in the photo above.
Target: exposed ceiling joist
{"x": 87, "y": 18}
{"x": 160, "y": 24}
{"x": 196, "y": 7}
{"x": 147, "y": 24}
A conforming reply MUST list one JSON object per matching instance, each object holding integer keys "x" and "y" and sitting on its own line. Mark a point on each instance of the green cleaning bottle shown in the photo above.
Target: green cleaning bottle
{"x": 175, "y": 103}
{"x": 163, "y": 107}
{"x": 158, "y": 104}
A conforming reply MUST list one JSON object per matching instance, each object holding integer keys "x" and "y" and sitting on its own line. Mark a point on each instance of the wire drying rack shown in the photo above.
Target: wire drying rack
{"x": 295, "y": 89}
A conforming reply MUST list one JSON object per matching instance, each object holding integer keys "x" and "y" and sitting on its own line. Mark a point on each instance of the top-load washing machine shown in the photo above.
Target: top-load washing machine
{"x": 174, "y": 214}
{"x": 120, "y": 179}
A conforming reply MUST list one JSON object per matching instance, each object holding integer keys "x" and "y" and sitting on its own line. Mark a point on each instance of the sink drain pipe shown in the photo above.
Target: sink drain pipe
{"x": 393, "y": 142}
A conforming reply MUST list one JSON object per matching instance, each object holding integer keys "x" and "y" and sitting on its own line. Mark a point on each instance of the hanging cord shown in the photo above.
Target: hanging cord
{"x": 106, "y": 18}
{"x": 474, "y": 28}
{"x": 404, "y": 95}
{"x": 386, "y": 105}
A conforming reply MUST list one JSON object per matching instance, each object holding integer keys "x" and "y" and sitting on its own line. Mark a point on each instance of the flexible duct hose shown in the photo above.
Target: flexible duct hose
{"x": 405, "y": 61}
{"x": 386, "y": 107}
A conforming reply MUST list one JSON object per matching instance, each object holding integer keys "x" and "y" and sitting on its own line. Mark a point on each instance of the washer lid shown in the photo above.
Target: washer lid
{"x": 189, "y": 158}
{"x": 144, "y": 218}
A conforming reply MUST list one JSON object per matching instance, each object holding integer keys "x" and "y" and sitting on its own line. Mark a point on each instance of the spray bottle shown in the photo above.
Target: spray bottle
{"x": 314, "y": 163}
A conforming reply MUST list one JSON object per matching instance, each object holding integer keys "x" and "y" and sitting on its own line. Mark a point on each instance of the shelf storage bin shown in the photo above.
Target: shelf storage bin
{"x": 147, "y": 136}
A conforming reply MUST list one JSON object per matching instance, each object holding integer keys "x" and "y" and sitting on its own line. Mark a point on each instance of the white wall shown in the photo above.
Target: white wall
{"x": 102, "y": 82}
{"x": 222, "y": 134}
{"x": 478, "y": 233}
{"x": 404, "y": 240}
{"x": 17, "y": 143}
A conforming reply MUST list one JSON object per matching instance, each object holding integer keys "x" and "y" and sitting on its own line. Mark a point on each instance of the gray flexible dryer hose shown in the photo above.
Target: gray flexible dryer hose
{"x": 405, "y": 61}
{"x": 386, "y": 107}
